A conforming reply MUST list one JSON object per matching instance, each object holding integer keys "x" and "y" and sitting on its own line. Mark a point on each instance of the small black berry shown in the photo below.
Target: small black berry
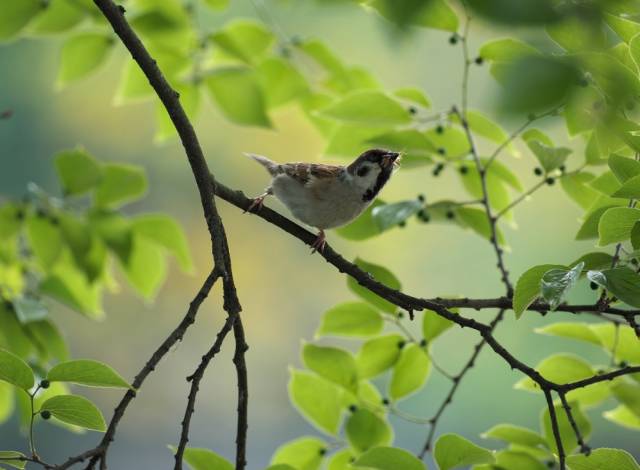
{"x": 323, "y": 452}
{"x": 442, "y": 151}
{"x": 453, "y": 39}
{"x": 413, "y": 110}
{"x": 593, "y": 285}
{"x": 551, "y": 464}
{"x": 634, "y": 261}
{"x": 400, "y": 315}
{"x": 600, "y": 371}
{"x": 538, "y": 171}
{"x": 479, "y": 60}
{"x": 402, "y": 224}
{"x": 46, "y": 414}
{"x": 353, "y": 408}
{"x": 401, "y": 344}
{"x": 550, "y": 181}
{"x": 423, "y": 342}
{"x": 421, "y": 198}
{"x": 584, "y": 82}
{"x": 464, "y": 170}
{"x": 562, "y": 168}
{"x": 450, "y": 214}
{"x": 41, "y": 213}
{"x": 439, "y": 130}
{"x": 45, "y": 384}
{"x": 20, "y": 214}
{"x": 623, "y": 364}
{"x": 426, "y": 217}
{"x": 385, "y": 401}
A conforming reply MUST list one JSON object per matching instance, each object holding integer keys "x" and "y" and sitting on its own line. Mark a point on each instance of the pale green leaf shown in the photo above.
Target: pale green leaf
{"x": 317, "y": 399}
{"x": 363, "y": 227}
{"x": 83, "y": 54}
{"x": 204, "y": 459}
{"x": 378, "y": 354}
{"x": 410, "y": 372}
{"x": 624, "y": 168}
{"x": 506, "y": 50}
{"x": 245, "y": 40}
{"x": 120, "y": 184}
{"x": 515, "y": 435}
{"x": 304, "y": 453}
{"x": 16, "y": 15}
{"x": 453, "y": 451}
{"x": 365, "y": 430}
{"x": 616, "y": 223}
{"x": 600, "y": 459}
{"x": 380, "y": 274}
{"x": 567, "y": 434}
{"x": 351, "y": 319}
{"x": 357, "y": 108}
{"x": 76, "y": 410}
{"x": 389, "y": 458}
{"x": 630, "y": 189}
{"x": 87, "y": 372}
{"x": 166, "y": 232}
{"x": 13, "y": 459}
{"x": 15, "y": 371}
{"x": 334, "y": 364}
{"x": 390, "y": 215}
{"x": 621, "y": 282}
{"x": 78, "y": 171}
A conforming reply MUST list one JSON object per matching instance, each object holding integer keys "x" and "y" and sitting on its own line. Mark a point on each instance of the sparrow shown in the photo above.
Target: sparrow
{"x": 327, "y": 196}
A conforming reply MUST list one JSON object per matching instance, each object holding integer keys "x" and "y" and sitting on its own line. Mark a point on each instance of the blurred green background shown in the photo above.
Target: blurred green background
{"x": 282, "y": 288}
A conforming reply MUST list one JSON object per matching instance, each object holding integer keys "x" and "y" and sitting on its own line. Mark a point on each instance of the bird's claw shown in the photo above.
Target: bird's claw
{"x": 256, "y": 204}
{"x": 319, "y": 243}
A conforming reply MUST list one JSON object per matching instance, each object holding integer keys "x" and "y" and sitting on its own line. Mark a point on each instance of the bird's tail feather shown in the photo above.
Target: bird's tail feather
{"x": 270, "y": 165}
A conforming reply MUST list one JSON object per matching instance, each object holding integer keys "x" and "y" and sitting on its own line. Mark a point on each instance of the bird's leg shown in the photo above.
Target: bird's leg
{"x": 319, "y": 243}
{"x": 258, "y": 202}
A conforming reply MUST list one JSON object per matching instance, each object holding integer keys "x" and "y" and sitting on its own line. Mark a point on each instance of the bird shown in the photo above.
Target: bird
{"x": 327, "y": 196}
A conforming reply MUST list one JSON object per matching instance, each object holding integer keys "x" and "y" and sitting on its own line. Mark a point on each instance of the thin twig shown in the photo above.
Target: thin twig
{"x": 555, "y": 428}
{"x": 584, "y": 448}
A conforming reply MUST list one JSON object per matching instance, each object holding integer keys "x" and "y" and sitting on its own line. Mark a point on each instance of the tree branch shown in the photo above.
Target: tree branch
{"x": 584, "y": 448}
{"x": 555, "y": 428}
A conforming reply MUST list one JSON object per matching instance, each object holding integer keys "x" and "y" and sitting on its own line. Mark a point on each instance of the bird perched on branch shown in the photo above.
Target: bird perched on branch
{"x": 327, "y": 196}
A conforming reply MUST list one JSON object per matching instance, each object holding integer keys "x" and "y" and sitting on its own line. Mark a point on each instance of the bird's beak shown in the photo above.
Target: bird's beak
{"x": 389, "y": 159}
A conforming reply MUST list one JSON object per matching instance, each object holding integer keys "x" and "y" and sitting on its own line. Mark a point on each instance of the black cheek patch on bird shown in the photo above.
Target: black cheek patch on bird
{"x": 381, "y": 180}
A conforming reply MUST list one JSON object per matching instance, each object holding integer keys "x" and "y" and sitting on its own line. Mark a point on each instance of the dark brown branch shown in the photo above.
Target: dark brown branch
{"x": 597, "y": 379}
{"x": 584, "y": 448}
{"x": 555, "y": 428}
{"x": 243, "y": 394}
{"x": 195, "y": 379}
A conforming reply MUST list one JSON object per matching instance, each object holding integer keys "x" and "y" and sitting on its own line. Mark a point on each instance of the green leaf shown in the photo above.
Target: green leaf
{"x": 575, "y": 35}
{"x": 556, "y": 283}
{"x": 550, "y": 158}
{"x": 623, "y": 342}
{"x": 83, "y": 54}
{"x": 120, "y": 184}
{"x": 452, "y": 142}
{"x": 623, "y": 27}
{"x": 485, "y": 127}
{"x": 47, "y": 333}
{"x": 366, "y": 430}
{"x": 414, "y": 95}
{"x": 503, "y": 173}
{"x": 630, "y": 189}
{"x": 624, "y": 168}
{"x": 628, "y": 394}
{"x": 578, "y": 331}
{"x": 432, "y": 14}
{"x": 15, "y": 16}
{"x": 603, "y": 458}
{"x": 595, "y": 260}
{"x": 589, "y": 228}
{"x": 281, "y": 82}
{"x": 341, "y": 460}
{"x": 517, "y": 460}
{"x": 238, "y": 94}
{"x": 146, "y": 267}
{"x": 89, "y": 252}
{"x": 515, "y": 435}
{"x": 12, "y": 459}
{"x": 356, "y": 108}
{"x": 389, "y": 458}
{"x": 204, "y": 459}
{"x": 564, "y": 368}
{"x": 453, "y": 451}
{"x": 190, "y": 98}
{"x": 166, "y": 232}
{"x": 133, "y": 86}
{"x": 317, "y": 399}
{"x": 410, "y": 372}
{"x": 363, "y": 227}
{"x": 304, "y": 453}
{"x": 390, "y": 215}
{"x": 76, "y": 410}
{"x": 217, "y": 4}
{"x": 624, "y": 417}
{"x": 378, "y": 354}
{"x": 59, "y": 16}
{"x": 536, "y": 134}
{"x": 567, "y": 435}
{"x": 78, "y": 171}
{"x": 621, "y": 282}
{"x": 528, "y": 287}
{"x": 11, "y": 216}
{"x": 45, "y": 240}
{"x": 87, "y": 372}
{"x": 6, "y": 401}
{"x": 351, "y": 319}
{"x": 245, "y": 40}
{"x": 334, "y": 364}
{"x": 574, "y": 184}
{"x": 433, "y": 325}
{"x": 380, "y": 274}
{"x": 15, "y": 371}
{"x": 476, "y": 220}
{"x": 616, "y": 223}
{"x": 506, "y": 50}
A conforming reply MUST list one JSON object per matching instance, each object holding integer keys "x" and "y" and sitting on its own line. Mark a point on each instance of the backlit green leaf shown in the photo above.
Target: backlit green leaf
{"x": 280, "y": 81}
{"x": 59, "y": 16}
{"x": 304, "y": 453}
{"x": 390, "y": 215}
{"x": 87, "y": 372}
{"x": 628, "y": 393}
{"x": 624, "y": 417}
{"x": 357, "y": 108}
{"x": 453, "y": 451}
{"x": 217, "y": 4}
{"x": 146, "y": 267}
{"x": 76, "y": 410}
{"x": 414, "y": 95}
{"x": 365, "y": 430}
{"x": 238, "y": 94}
{"x": 621, "y": 282}
{"x": 13, "y": 459}
{"x": 83, "y": 54}
{"x": 616, "y": 224}
{"x": 573, "y": 330}
{"x": 528, "y": 287}
{"x": 556, "y": 283}
{"x": 432, "y": 14}
{"x": 378, "y": 354}
{"x": 567, "y": 435}
{"x": 16, "y": 14}
{"x": 550, "y": 158}
{"x": 78, "y": 171}
{"x": 204, "y": 459}
{"x": 630, "y": 189}
{"x": 624, "y": 168}
{"x": 515, "y": 435}
{"x": 380, "y": 274}
{"x": 433, "y": 325}
{"x": 410, "y": 372}
{"x": 246, "y": 40}
{"x": 166, "y": 232}
{"x": 15, "y": 371}
{"x": 351, "y": 319}
{"x": 121, "y": 183}
{"x": 334, "y": 364}
{"x": 603, "y": 458}
{"x": 317, "y": 399}
{"x": 389, "y": 458}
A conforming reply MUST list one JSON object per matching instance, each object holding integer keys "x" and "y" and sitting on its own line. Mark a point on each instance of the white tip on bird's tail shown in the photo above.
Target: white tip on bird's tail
{"x": 270, "y": 165}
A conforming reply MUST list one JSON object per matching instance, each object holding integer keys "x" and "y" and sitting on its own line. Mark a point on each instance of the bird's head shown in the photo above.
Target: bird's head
{"x": 371, "y": 171}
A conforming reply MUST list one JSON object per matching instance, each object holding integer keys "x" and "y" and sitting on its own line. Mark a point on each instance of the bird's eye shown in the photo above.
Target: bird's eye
{"x": 363, "y": 171}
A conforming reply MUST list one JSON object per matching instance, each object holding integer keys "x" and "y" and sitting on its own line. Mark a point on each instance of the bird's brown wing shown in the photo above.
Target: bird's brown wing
{"x": 306, "y": 172}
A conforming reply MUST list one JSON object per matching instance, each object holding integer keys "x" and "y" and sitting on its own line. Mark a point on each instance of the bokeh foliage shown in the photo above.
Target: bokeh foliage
{"x": 587, "y": 74}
